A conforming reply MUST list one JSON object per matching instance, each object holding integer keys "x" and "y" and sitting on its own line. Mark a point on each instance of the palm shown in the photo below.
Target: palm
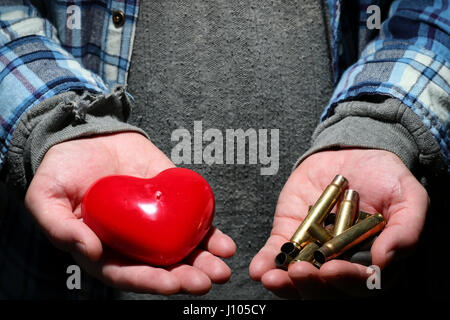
{"x": 385, "y": 185}
{"x": 54, "y": 198}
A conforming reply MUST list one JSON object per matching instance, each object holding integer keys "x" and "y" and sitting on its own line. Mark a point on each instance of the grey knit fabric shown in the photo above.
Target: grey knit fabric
{"x": 61, "y": 118}
{"x": 387, "y": 125}
{"x": 256, "y": 64}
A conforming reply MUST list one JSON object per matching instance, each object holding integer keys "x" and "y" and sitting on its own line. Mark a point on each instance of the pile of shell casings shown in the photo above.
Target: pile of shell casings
{"x": 316, "y": 243}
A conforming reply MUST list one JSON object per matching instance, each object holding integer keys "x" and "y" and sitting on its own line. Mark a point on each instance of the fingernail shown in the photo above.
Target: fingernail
{"x": 390, "y": 255}
{"x": 81, "y": 247}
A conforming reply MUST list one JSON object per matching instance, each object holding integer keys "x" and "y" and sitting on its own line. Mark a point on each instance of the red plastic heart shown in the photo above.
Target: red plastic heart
{"x": 158, "y": 220}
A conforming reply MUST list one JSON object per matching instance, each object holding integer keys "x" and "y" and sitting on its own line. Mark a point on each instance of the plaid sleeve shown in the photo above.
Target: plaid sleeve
{"x": 33, "y": 66}
{"x": 407, "y": 60}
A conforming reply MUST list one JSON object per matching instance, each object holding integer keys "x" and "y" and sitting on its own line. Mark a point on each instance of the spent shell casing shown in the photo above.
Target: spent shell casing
{"x": 361, "y": 216}
{"x": 347, "y": 212}
{"x": 282, "y": 260}
{"x": 307, "y": 253}
{"x": 320, "y": 209}
{"x": 319, "y": 233}
{"x": 290, "y": 249}
{"x": 350, "y": 237}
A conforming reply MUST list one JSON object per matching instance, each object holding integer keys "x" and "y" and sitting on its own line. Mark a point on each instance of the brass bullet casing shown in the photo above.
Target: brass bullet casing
{"x": 320, "y": 210}
{"x": 307, "y": 253}
{"x": 282, "y": 260}
{"x": 347, "y": 212}
{"x": 290, "y": 249}
{"x": 293, "y": 250}
{"x": 350, "y": 237}
{"x": 362, "y": 215}
{"x": 319, "y": 233}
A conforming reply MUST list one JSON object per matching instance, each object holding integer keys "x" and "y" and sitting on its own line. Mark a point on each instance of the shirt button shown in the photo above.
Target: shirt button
{"x": 118, "y": 18}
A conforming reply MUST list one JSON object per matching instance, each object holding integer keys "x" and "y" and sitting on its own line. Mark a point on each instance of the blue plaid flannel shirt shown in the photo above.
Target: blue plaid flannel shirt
{"x": 408, "y": 58}
{"x": 51, "y": 46}
{"x": 44, "y": 52}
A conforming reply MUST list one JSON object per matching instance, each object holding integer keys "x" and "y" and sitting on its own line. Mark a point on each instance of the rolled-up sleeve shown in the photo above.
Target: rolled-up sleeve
{"x": 408, "y": 60}
{"x": 33, "y": 67}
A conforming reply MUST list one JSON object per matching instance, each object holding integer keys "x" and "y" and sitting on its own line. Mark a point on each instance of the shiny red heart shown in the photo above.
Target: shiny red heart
{"x": 158, "y": 221}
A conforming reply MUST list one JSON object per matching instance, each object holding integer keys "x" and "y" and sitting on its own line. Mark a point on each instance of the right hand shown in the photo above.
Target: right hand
{"x": 54, "y": 199}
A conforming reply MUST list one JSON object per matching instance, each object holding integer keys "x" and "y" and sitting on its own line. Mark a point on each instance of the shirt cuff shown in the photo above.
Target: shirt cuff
{"x": 386, "y": 125}
{"x": 33, "y": 69}
{"x": 67, "y": 116}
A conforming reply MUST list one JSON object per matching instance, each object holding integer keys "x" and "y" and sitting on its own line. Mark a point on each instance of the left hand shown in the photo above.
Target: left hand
{"x": 385, "y": 185}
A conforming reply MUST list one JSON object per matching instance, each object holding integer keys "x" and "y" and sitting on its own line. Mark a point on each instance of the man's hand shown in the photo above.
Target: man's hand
{"x": 384, "y": 184}
{"x": 54, "y": 199}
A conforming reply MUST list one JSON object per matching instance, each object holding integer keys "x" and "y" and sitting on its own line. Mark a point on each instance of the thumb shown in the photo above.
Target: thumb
{"x": 405, "y": 221}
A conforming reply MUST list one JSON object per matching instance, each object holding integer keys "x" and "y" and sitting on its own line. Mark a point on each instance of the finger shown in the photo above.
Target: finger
{"x": 279, "y": 282}
{"x": 291, "y": 209}
{"x": 64, "y": 230}
{"x": 405, "y": 221}
{"x": 264, "y": 260}
{"x": 213, "y": 267}
{"x": 192, "y": 280}
{"x": 362, "y": 257}
{"x": 307, "y": 280}
{"x": 136, "y": 278}
{"x": 349, "y": 278}
{"x": 219, "y": 244}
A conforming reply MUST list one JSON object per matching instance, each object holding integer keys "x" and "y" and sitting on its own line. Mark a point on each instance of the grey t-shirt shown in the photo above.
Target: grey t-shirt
{"x": 249, "y": 65}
